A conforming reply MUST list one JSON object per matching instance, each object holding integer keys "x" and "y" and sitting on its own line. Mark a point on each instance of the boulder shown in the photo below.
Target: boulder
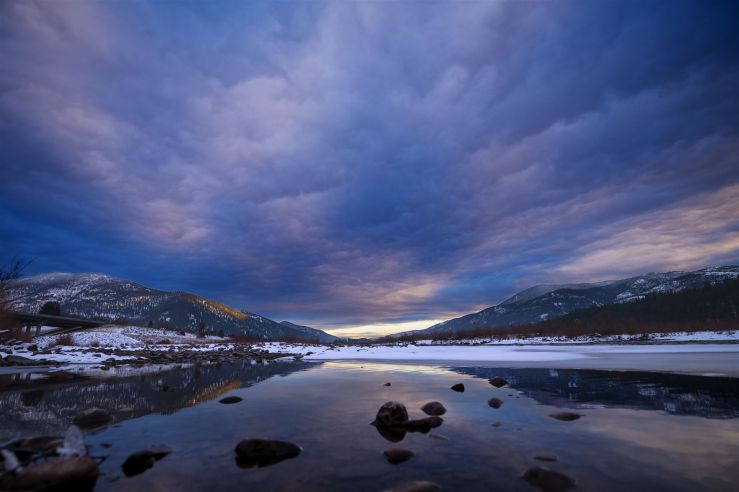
{"x": 459, "y": 388}
{"x": 391, "y": 414}
{"x": 264, "y": 452}
{"x": 498, "y": 382}
{"x": 78, "y": 473}
{"x": 433, "y": 408}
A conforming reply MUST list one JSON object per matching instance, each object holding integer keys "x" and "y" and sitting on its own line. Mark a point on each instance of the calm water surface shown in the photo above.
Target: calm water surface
{"x": 640, "y": 431}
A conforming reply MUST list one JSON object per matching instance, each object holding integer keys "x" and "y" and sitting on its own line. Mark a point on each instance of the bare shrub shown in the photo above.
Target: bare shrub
{"x": 64, "y": 340}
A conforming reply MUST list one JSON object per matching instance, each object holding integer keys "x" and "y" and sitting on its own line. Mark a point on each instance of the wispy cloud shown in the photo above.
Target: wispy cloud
{"x": 344, "y": 163}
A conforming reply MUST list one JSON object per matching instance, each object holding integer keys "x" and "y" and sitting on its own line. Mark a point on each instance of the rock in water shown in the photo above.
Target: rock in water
{"x": 93, "y": 419}
{"x": 459, "y": 388}
{"x": 549, "y": 480}
{"x": 392, "y": 434}
{"x": 230, "y": 399}
{"x": 433, "y": 408}
{"x": 391, "y": 414}
{"x": 545, "y": 457}
{"x": 498, "y": 382}
{"x": 140, "y": 461}
{"x": 495, "y": 402}
{"x": 422, "y": 425}
{"x": 417, "y": 486}
{"x": 78, "y": 473}
{"x": 387, "y": 384}
{"x": 263, "y": 452}
{"x": 566, "y": 416}
{"x": 398, "y": 455}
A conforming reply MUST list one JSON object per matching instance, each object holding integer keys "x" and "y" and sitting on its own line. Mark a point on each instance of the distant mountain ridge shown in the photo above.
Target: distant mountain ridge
{"x": 95, "y": 295}
{"x": 543, "y": 302}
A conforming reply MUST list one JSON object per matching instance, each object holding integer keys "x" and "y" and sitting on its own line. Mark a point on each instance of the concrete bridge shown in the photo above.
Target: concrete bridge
{"x": 33, "y": 323}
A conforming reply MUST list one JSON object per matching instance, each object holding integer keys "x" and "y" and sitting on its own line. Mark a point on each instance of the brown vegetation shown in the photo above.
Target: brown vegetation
{"x": 63, "y": 340}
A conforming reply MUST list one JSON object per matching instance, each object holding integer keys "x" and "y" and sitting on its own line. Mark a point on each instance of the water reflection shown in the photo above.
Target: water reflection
{"x": 679, "y": 394}
{"x": 327, "y": 412}
{"x": 47, "y": 403}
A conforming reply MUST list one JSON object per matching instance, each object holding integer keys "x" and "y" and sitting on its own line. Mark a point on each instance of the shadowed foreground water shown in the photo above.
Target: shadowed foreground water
{"x": 640, "y": 431}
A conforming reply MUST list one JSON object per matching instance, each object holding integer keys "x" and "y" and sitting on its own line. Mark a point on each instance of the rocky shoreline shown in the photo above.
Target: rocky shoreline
{"x": 107, "y": 357}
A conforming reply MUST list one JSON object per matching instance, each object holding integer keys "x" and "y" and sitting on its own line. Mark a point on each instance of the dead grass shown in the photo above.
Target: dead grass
{"x": 64, "y": 340}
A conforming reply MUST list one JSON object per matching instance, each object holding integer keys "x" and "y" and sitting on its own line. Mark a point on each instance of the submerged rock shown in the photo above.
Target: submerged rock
{"x": 496, "y": 424}
{"x": 545, "y": 457}
{"x": 78, "y": 473}
{"x": 391, "y": 414}
{"x": 433, "y": 408}
{"x": 459, "y": 388}
{"x": 398, "y": 455}
{"x": 495, "y": 402}
{"x": 549, "y": 480}
{"x": 565, "y": 416}
{"x": 230, "y": 400}
{"x": 140, "y": 461}
{"x": 93, "y": 418}
{"x": 417, "y": 486}
{"x": 263, "y": 452}
{"x": 498, "y": 382}
{"x": 423, "y": 425}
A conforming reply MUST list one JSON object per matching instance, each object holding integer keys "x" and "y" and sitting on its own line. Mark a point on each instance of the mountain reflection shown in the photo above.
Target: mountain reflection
{"x": 35, "y": 404}
{"x": 678, "y": 394}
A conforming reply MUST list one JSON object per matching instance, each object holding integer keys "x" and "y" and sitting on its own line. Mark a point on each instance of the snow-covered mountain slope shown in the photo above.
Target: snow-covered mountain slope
{"x": 322, "y": 336}
{"x": 94, "y": 295}
{"x": 544, "y": 302}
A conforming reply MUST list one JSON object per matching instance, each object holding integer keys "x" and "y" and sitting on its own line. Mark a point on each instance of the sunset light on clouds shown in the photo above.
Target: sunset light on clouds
{"x": 365, "y": 169}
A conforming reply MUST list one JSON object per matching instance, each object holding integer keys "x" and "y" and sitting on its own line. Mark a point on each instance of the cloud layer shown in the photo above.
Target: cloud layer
{"x": 357, "y": 163}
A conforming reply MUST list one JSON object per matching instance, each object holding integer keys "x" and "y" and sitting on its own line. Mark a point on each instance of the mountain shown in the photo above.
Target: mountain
{"x": 543, "y": 302}
{"x": 93, "y": 295}
{"x": 309, "y": 332}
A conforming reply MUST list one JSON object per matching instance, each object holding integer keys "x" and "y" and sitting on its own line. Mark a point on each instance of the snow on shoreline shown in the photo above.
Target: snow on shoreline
{"x": 490, "y": 353}
{"x": 90, "y": 345}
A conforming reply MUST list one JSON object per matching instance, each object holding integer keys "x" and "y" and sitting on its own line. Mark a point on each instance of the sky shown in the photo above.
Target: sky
{"x": 366, "y": 167}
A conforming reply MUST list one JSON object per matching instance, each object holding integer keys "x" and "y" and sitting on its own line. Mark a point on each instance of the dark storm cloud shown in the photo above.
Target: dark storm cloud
{"x": 345, "y": 163}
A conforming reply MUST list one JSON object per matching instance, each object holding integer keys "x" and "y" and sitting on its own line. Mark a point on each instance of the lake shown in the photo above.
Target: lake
{"x": 638, "y": 430}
